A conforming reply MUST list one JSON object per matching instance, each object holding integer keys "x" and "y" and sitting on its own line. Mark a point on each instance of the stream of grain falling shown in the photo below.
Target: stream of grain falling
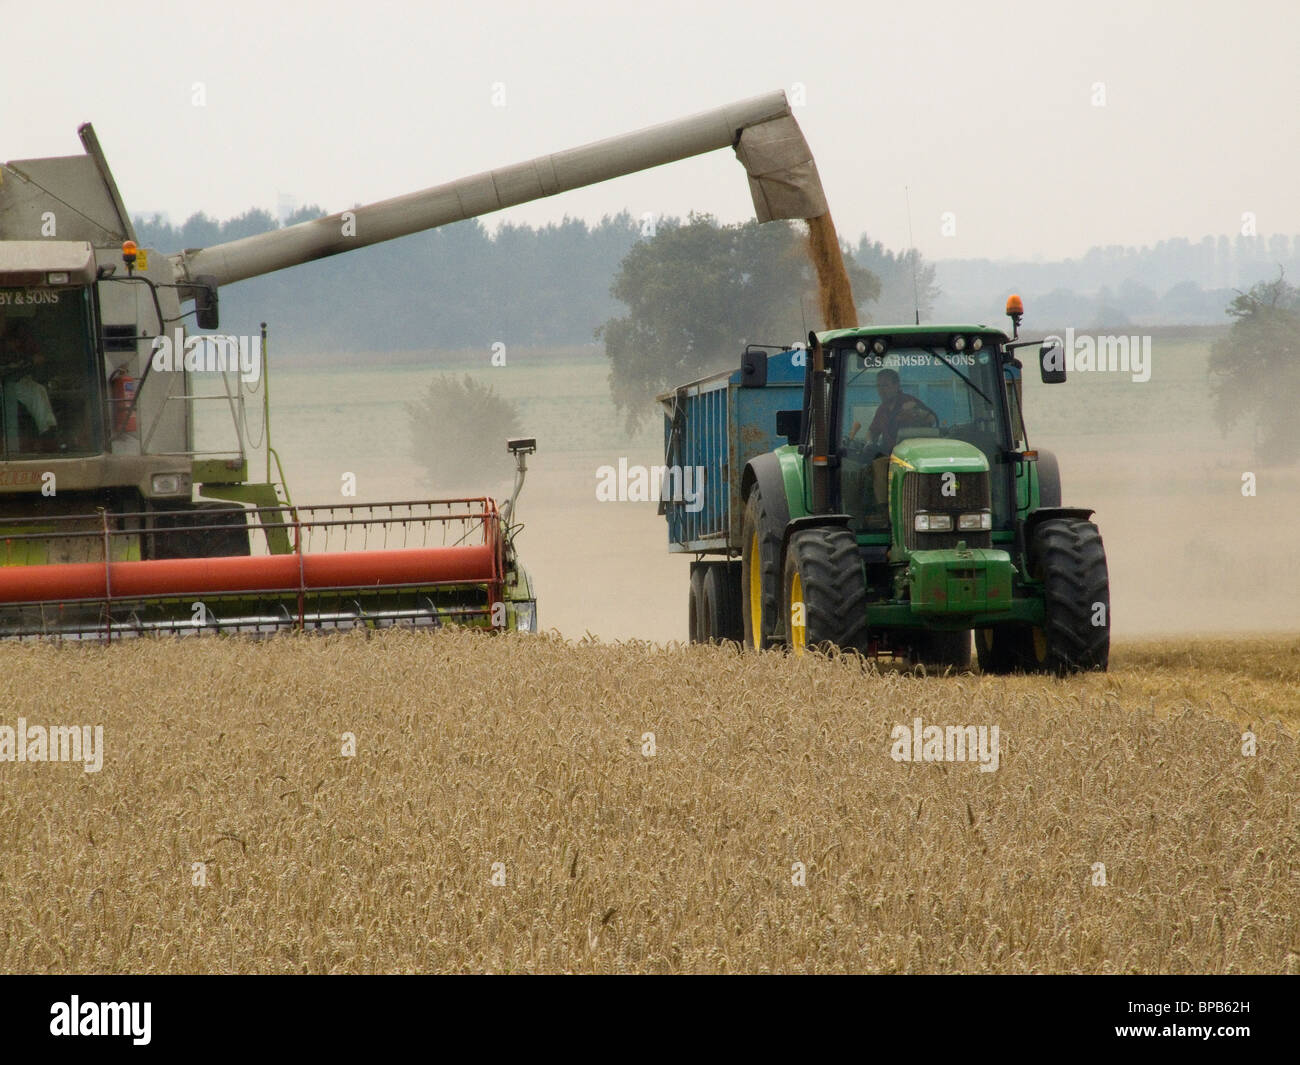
{"x": 835, "y": 294}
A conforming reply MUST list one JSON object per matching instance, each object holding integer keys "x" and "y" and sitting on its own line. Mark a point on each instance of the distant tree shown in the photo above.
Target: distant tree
{"x": 1255, "y": 369}
{"x": 463, "y": 286}
{"x": 458, "y": 434}
{"x": 697, "y": 292}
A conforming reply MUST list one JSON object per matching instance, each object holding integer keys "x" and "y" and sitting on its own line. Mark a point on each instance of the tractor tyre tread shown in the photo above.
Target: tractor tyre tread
{"x": 834, "y": 589}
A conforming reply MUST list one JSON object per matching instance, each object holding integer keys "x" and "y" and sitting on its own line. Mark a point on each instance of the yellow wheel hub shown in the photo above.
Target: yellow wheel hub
{"x": 798, "y": 617}
{"x": 755, "y": 592}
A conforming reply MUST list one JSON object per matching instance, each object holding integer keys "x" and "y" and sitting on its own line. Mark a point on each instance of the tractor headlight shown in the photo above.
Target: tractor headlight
{"x": 958, "y": 343}
{"x": 933, "y": 522}
{"x": 982, "y": 521}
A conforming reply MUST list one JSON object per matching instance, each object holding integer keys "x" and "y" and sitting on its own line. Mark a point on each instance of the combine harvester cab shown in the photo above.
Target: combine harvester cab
{"x": 876, "y": 492}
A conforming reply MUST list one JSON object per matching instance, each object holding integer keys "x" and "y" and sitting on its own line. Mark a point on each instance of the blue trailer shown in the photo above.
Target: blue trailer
{"x": 714, "y": 427}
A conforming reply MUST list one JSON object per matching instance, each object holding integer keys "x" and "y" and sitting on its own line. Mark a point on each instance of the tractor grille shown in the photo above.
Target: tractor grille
{"x": 924, "y": 491}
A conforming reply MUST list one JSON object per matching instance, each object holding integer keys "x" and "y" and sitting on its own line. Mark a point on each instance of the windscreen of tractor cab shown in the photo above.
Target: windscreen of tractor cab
{"x": 48, "y": 383}
{"x": 910, "y": 391}
{"x": 913, "y": 392}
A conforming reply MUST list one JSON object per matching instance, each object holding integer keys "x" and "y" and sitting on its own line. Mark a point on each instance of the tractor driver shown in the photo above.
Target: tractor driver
{"x": 897, "y": 410}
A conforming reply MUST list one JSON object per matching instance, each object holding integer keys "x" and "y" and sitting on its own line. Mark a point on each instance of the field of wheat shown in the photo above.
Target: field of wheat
{"x": 522, "y": 804}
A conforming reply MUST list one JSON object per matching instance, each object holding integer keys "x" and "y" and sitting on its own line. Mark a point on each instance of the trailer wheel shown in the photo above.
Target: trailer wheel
{"x": 696, "y": 623}
{"x": 760, "y": 579}
{"x": 825, "y": 591}
{"x": 939, "y": 651}
{"x": 722, "y": 610}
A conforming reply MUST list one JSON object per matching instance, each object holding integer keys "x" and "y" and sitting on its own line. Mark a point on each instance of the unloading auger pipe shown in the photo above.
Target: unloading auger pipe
{"x": 783, "y": 183}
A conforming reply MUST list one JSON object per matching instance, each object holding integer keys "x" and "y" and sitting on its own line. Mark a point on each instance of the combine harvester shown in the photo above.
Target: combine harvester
{"x": 113, "y": 523}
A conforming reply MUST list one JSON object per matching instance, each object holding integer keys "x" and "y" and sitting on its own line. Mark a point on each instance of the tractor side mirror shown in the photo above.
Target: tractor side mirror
{"x": 789, "y": 424}
{"x": 207, "y": 313}
{"x": 1051, "y": 362}
{"x": 753, "y": 367}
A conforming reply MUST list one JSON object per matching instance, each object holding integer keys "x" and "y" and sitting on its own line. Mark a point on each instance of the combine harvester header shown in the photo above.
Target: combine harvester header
{"x": 113, "y": 522}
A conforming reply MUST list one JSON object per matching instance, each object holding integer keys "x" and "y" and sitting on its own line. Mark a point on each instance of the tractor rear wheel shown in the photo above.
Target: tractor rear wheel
{"x": 721, "y": 604}
{"x": 825, "y": 591}
{"x": 760, "y": 579}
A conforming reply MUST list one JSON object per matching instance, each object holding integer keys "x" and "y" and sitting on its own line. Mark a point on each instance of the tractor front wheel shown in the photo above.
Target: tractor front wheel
{"x": 1067, "y": 555}
{"x": 825, "y": 592}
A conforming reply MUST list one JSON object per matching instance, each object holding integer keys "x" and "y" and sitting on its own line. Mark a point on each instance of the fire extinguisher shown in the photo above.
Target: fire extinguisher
{"x": 124, "y": 386}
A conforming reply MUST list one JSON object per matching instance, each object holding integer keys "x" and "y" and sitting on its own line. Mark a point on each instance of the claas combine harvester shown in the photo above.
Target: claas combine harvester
{"x": 113, "y": 522}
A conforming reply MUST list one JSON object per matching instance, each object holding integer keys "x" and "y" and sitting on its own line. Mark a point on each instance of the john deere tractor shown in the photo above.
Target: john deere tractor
{"x": 904, "y": 511}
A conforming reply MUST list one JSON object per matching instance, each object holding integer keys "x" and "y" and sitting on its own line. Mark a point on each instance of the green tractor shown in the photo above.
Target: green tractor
{"x": 904, "y": 512}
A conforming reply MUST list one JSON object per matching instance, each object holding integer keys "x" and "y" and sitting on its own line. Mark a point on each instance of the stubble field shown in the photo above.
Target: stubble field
{"x": 508, "y": 810}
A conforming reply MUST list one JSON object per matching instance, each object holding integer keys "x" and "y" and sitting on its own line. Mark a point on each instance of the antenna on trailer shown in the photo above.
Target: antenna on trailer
{"x": 916, "y": 299}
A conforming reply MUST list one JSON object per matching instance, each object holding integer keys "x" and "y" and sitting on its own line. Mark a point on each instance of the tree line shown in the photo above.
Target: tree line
{"x": 465, "y": 286}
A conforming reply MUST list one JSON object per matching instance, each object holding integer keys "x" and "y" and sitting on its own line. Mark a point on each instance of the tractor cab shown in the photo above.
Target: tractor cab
{"x": 905, "y": 399}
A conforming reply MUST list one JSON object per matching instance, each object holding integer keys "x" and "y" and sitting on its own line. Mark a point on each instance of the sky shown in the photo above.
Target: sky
{"x": 1018, "y": 130}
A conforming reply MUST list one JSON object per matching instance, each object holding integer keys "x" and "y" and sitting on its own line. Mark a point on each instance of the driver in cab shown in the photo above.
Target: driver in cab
{"x": 22, "y": 356}
{"x": 897, "y": 410}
